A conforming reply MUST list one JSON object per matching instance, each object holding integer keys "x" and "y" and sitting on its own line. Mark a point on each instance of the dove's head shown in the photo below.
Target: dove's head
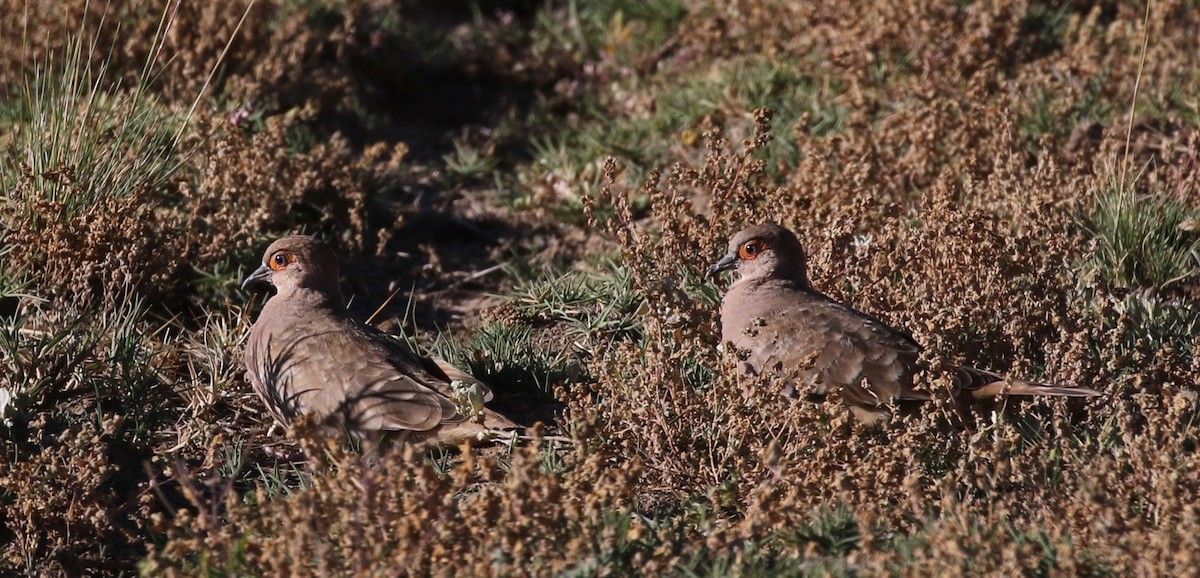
{"x": 298, "y": 262}
{"x": 764, "y": 252}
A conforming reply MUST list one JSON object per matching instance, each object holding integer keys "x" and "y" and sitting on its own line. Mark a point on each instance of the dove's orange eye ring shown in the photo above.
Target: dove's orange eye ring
{"x": 751, "y": 250}
{"x": 280, "y": 260}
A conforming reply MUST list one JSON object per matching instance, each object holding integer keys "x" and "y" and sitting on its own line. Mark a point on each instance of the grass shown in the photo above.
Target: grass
{"x": 1045, "y": 119}
{"x": 100, "y": 359}
{"x": 469, "y": 164}
{"x": 593, "y": 306}
{"x": 507, "y": 355}
{"x": 1142, "y": 238}
{"x": 930, "y": 183}
{"x": 567, "y": 166}
{"x": 621, "y": 29}
{"x": 82, "y": 138}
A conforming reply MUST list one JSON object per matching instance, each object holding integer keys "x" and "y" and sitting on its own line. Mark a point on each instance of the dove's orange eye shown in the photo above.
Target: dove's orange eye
{"x": 751, "y": 250}
{"x": 281, "y": 259}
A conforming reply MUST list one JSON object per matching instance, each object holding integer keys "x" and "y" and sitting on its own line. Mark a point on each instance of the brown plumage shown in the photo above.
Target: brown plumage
{"x": 307, "y": 355}
{"x": 774, "y": 313}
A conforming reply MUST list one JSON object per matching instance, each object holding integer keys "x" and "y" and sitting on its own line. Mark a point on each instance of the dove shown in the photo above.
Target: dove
{"x": 306, "y": 355}
{"x": 783, "y": 324}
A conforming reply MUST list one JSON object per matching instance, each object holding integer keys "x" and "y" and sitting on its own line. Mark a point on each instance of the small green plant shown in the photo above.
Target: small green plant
{"x": 594, "y": 306}
{"x": 103, "y": 360}
{"x": 505, "y": 355}
{"x": 620, "y": 28}
{"x": 1140, "y": 239}
{"x": 468, "y": 163}
{"x": 833, "y": 529}
{"x": 1049, "y": 115}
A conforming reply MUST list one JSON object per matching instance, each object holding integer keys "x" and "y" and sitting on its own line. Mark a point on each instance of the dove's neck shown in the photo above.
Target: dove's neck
{"x": 309, "y": 297}
{"x": 776, "y": 280}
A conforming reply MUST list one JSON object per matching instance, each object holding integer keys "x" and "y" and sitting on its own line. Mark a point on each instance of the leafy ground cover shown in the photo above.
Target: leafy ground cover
{"x": 534, "y": 189}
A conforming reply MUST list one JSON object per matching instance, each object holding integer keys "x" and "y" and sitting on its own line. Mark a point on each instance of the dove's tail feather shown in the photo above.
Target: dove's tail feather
{"x": 495, "y": 421}
{"x": 982, "y": 384}
{"x": 495, "y": 429}
{"x": 1018, "y": 387}
{"x": 454, "y": 434}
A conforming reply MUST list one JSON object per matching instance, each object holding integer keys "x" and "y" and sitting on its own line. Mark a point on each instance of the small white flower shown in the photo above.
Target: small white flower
{"x": 6, "y": 397}
{"x": 862, "y": 243}
{"x": 468, "y": 399}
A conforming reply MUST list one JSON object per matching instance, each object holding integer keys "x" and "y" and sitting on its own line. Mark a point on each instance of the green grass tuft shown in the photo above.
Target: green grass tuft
{"x": 1141, "y": 240}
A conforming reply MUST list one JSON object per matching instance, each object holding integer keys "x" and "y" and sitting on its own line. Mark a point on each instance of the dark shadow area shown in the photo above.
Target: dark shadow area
{"x": 428, "y": 75}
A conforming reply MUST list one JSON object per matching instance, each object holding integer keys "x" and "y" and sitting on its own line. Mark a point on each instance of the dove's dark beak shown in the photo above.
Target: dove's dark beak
{"x": 726, "y": 263}
{"x": 260, "y": 275}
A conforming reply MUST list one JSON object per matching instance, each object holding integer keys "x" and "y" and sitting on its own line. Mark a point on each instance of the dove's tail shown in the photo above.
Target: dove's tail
{"x": 495, "y": 421}
{"x": 982, "y": 384}
{"x": 495, "y": 428}
{"x": 1018, "y": 387}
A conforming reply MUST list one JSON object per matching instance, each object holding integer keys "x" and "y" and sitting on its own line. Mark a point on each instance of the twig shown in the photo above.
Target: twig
{"x": 1136, "y": 85}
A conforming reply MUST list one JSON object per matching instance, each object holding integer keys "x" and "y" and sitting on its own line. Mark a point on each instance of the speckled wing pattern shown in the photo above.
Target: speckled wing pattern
{"x": 867, "y": 361}
{"x": 837, "y": 348}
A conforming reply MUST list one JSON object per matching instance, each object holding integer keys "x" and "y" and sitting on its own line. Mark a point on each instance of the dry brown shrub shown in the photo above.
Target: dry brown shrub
{"x": 925, "y": 81}
{"x": 99, "y": 256}
{"x": 274, "y": 49}
{"x": 137, "y": 234}
{"x": 62, "y": 508}
{"x": 937, "y": 208}
{"x": 992, "y": 286}
{"x": 400, "y": 516}
{"x": 251, "y": 185}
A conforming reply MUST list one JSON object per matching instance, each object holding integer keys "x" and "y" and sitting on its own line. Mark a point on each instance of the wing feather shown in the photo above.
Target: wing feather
{"x": 869, "y": 362}
{"x": 345, "y": 371}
